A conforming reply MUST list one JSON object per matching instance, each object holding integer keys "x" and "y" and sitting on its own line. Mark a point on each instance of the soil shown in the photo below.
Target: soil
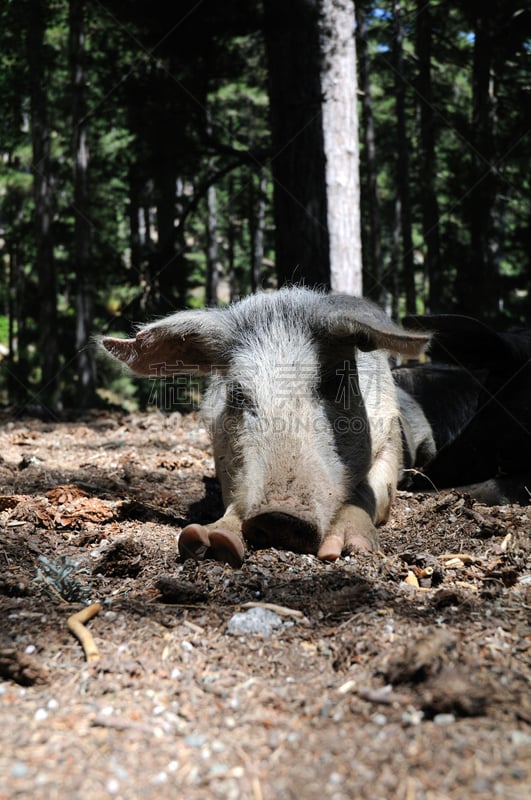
{"x": 403, "y": 674}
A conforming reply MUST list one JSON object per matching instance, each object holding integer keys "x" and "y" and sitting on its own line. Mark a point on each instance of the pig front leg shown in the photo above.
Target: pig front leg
{"x": 221, "y": 540}
{"x": 353, "y": 528}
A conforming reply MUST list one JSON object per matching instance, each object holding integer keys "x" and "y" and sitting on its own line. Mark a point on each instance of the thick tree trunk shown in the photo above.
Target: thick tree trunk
{"x": 402, "y": 167}
{"x": 298, "y": 161}
{"x": 315, "y": 163}
{"x": 341, "y": 146}
{"x": 373, "y": 271}
{"x": 86, "y": 364}
{"x": 49, "y": 393}
{"x": 427, "y": 161}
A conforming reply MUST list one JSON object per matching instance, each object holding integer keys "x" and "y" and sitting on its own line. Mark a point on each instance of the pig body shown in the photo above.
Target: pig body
{"x": 303, "y": 414}
{"x": 476, "y": 397}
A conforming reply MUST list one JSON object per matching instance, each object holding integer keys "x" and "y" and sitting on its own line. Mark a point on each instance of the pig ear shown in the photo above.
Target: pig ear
{"x": 187, "y": 342}
{"x": 369, "y": 327}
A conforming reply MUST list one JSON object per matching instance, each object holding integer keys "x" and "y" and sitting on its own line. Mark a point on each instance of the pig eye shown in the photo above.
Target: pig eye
{"x": 237, "y": 397}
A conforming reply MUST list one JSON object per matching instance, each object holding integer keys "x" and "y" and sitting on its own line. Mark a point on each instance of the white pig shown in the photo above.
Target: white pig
{"x": 303, "y": 413}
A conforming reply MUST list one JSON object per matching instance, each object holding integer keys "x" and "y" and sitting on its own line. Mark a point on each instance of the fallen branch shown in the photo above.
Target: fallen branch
{"x": 77, "y": 627}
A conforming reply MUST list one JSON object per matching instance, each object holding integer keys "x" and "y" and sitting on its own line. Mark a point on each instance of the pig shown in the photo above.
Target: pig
{"x": 476, "y": 397}
{"x": 303, "y": 414}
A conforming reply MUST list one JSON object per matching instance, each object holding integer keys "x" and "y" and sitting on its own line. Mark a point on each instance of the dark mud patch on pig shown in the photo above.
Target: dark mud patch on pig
{"x": 403, "y": 674}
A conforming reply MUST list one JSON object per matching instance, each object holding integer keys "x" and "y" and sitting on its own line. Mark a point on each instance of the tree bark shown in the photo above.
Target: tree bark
{"x": 341, "y": 145}
{"x": 315, "y": 163}
{"x": 402, "y": 167}
{"x": 256, "y": 229}
{"x": 166, "y": 263}
{"x": 50, "y": 393}
{"x": 212, "y": 273}
{"x": 235, "y": 290}
{"x": 373, "y": 272}
{"x": 427, "y": 161}
{"x": 86, "y": 363}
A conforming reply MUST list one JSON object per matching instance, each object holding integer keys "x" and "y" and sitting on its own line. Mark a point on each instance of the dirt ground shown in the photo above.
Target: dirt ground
{"x": 399, "y": 675}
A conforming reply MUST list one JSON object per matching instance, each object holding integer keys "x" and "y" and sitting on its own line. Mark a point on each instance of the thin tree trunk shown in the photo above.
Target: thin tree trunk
{"x": 134, "y": 221}
{"x": 212, "y": 273}
{"x": 374, "y": 286}
{"x": 408, "y": 270}
{"x": 234, "y": 287}
{"x": 86, "y": 364}
{"x": 42, "y": 191}
{"x": 395, "y": 259}
{"x": 165, "y": 261}
{"x": 427, "y": 160}
{"x": 482, "y": 205}
{"x": 341, "y": 145}
{"x": 256, "y": 227}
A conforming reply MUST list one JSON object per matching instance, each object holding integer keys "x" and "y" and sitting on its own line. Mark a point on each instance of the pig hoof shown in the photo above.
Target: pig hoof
{"x": 331, "y": 548}
{"x": 360, "y": 543}
{"x": 226, "y": 546}
{"x": 194, "y": 542}
{"x": 337, "y": 545}
{"x": 198, "y": 542}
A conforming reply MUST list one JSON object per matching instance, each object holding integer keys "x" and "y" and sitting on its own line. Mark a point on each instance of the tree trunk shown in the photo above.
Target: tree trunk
{"x": 234, "y": 285}
{"x": 312, "y": 90}
{"x": 256, "y": 229}
{"x": 166, "y": 263}
{"x": 49, "y": 393}
{"x": 212, "y": 274}
{"x": 408, "y": 269}
{"x": 341, "y": 146}
{"x": 427, "y": 161}
{"x": 298, "y": 161}
{"x": 374, "y": 273}
{"x": 394, "y": 266}
{"x": 478, "y": 284}
{"x": 86, "y": 364}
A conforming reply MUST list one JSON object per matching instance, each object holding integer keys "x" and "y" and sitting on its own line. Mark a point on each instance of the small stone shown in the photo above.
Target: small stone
{"x": 255, "y": 621}
{"x": 444, "y": 719}
{"x": 195, "y": 740}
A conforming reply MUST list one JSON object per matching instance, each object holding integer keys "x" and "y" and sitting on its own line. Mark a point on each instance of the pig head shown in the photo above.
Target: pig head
{"x": 303, "y": 414}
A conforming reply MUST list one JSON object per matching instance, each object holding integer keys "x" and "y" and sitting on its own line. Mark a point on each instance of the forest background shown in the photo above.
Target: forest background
{"x": 155, "y": 156}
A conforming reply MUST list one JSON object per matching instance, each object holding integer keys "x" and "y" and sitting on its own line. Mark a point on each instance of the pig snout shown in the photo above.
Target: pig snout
{"x": 284, "y": 528}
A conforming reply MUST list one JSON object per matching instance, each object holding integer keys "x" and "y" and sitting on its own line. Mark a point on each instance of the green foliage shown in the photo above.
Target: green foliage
{"x": 177, "y": 103}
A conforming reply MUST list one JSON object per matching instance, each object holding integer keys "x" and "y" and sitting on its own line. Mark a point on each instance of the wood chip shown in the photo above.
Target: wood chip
{"x": 456, "y": 558}
{"x": 412, "y": 579}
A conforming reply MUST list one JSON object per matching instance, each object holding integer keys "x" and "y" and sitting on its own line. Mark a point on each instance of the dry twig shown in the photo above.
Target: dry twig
{"x": 77, "y": 627}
